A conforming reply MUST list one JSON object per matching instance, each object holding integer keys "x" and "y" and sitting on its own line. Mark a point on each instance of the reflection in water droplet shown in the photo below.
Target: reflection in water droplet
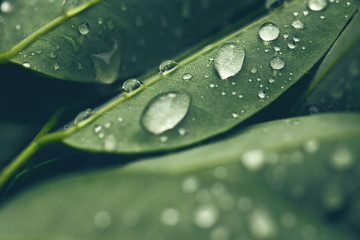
{"x": 187, "y": 76}
{"x": 83, "y": 115}
{"x": 167, "y": 65}
{"x": 84, "y": 28}
{"x": 317, "y": 5}
{"x": 102, "y": 219}
{"x": 277, "y": 63}
{"x": 205, "y": 216}
{"x": 131, "y": 85}
{"x": 297, "y": 24}
{"x": 170, "y": 217}
{"x": 269, "y": 31}
{"x": 107, "y": 64}
{"x": 165, "y": 111}
{"x": 229, "y": 60}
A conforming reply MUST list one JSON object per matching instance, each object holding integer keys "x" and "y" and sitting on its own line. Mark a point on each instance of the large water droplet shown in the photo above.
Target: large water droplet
{"x": 317, "y": 5}
{"x": 229, "y": 60}
{"x": 269, "y": 31}
{"x": 167, "y": 65}
{"x": 84, "y": 28}
{"x": 298, "y": 24}
{"x": 83, "y": 115}
{"x": 6, "y": 7}
{"x": 165, "y": 111}
{"x": 273, "y": 3}
{"x": 131, "y": 85}
{"x": 107, "y": 64}
{"x": 277, "y": 63}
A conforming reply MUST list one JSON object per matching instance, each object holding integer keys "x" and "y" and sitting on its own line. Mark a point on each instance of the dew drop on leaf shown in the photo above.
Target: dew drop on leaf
{"x": 167, "y": 65}
{"x": 83, "y": 115}
{"x": 269, "y": 31}
{"x": 297, "y": 24}
{"x": 26, "y": 65}
{"x": 277, "y": 63}
{"x": 165, "y": 111}
{"x": 84, "y": 28}
{"x": 317, "y": 5}
{"x": 187, "y": 76}
{"x": 131, "y": 85}
{"x": 110, "y": 142}
{"x": 229, "y": 60}
{"x": 262, "y": 94}
{"x": 271, "y": 79}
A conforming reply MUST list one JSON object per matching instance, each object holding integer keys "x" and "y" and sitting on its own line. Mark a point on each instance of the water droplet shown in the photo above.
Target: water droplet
{"x": 305, "y": 13}
{"x": 253, "y": 160}
{"x": 190, "y": 185}
{"x": 187, "y": 76}
{"x": 261, "y": 224}
{"x": 100, "y": 21}
{"x": 262, "y": 94}
{"x": 120, "y": 119}
{"x": 342, "y": 159}
{"x": 131, "y": 85}
{"x": 295, "y": 14}
{"x": 6, "y": 7}
{"x": 271, "y": 79}
{"x": 235, "y": 115}
{"x": 84, "y": 28}
{"x": 165, "y": 111}
{"x": 102, "y": 219}
{"x": 270, "y": 4}
{"x": 297, "y": 24}
{"x": 182, "y": 131}
{"x": 18, "y": 27}
{"x": 110, "y": 142}
{"x": 167, "y": 65}
{"x": 107, "y": 64}
{"x": 277, "y": 48}
{"x": 83, "y": 115}
{"x": 277, "y": 63}
{"x": 52, "y": 55}
{"x": 229, "y": 60}
{"x": 56, "y": 66}
{"x": 108, "y": 125}
{"x": 285, "y": 36}
{"x": 26, "y": 65}
{"x": 311, "y": 146}
{"x": 164, "y": 139}
{"x": 205, "y": 216}
{"x": 269, "y": 31}
{"x": 253, "y": 70}
{"x": 170, "y": 217}
{"x": 97, "y": 128}
{"x": 317, "y": 5}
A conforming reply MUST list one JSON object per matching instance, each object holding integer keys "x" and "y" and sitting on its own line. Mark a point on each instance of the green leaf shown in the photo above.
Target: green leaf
{"x": 147, "y": 119}
{"x": 335, "y": 86}
{"x": 216, "y": 191}
{"x": 103, "y": 40}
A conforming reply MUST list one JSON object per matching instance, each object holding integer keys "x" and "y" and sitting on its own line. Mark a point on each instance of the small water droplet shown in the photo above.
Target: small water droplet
{"x": 277, "y": 63}
{"x": 322, "y": 17}
{"x": 100, "y": 21}
{"x": 291, "y": 45}
{"x": 18, "y": 27}
{"x": 6, "y": 7}
{"x": 271, "y": 79}
{"x": 235, "y": 115}
{"x": 84, "y": 28}
{"x": 311, "y": 146}
{"x": 52, "y": 55}
{"x": 261, "y": 224}
{"x": 167, "y": 65}
{"x": 253, "y": 70}
{"x": 97, "y": 128}
{"x": 269, "y": 31}
{"x": 131, "y": 85}
{"x": 187, "y": 76}
{"x": 297, "y": 24}
{"x": 164, "y": 139}
{"x": 305, "y": 13}
{"x": 170, "y": 217}
{"x": 277, "y": 48}
{"x": 285, "y": 36}
{"x": 83, "y": 115}
{"x": 205, "y": 216}
{"x": 165, "y": 111}
{"x": 229, "y": 60}
{"x": 102, "y": 219}
{"x": 317, "y": 5}
{"x": 190, "y": 185}
{"x": 182, "y": 131}
{"x": 26, "y": 65}
{"x": 56, "y": 66}
{"x": 110, "y": 142}
{"x": 262, "y": 94}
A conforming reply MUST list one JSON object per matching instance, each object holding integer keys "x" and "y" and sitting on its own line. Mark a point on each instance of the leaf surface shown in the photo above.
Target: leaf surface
{"x": 131, "y": 122}
{"x": 216, "y": 190}
{"x": 103, "y": 40}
